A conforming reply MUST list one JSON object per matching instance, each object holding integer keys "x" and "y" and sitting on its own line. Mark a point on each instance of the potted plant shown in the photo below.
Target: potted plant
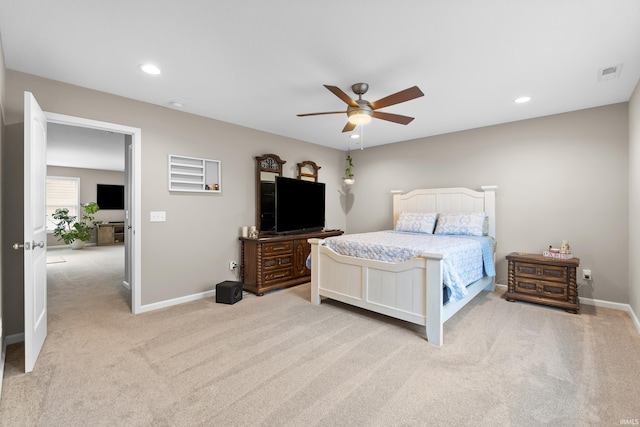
{"x": 72, "y": 231}
{"x": 348, "y": 174}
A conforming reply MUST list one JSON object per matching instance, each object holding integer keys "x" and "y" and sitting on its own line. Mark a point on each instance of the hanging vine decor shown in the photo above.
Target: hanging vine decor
{"x": 348, "y": 173}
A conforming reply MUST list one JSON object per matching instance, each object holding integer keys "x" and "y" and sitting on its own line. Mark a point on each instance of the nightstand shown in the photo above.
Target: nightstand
{"x": 543, "y": 280}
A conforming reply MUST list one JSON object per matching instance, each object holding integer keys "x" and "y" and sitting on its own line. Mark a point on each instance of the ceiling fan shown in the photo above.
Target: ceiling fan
{"x": 361, "y": 111}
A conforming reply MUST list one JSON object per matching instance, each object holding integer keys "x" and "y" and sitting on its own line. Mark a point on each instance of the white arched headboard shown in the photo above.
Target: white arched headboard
{"x": 448, "y": 200}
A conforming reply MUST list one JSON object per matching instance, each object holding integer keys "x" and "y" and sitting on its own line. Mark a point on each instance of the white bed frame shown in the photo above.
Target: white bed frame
{"x": 410, "y": 290}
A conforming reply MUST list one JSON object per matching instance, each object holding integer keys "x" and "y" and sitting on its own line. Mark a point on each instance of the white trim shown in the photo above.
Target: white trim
{"x": 136, "y": 222}
{"x": 3, "y": 357}
{"x": 603, "y": 303}
{"x": 14, "y": 339}
{"x": 614, "y": 306}
{"x": 176, "y": 301}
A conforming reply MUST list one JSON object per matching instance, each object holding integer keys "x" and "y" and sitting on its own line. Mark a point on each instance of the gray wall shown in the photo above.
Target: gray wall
{"x": 561, "y": 177}
{"x": 2, "y": 91}
{"x": 89, "y": 178}
{"x": 13, "y": 228}
{"x": 634, "y": 200}
{"x": 190, "y": 252}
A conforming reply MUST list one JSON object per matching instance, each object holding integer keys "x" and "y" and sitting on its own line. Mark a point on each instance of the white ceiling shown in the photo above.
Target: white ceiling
{"x": 79, "y": 147}
{"x": 258, "y": 63}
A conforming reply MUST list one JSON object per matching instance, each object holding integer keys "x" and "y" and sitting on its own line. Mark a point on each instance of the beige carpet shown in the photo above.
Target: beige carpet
{"x": 277, "y": 360}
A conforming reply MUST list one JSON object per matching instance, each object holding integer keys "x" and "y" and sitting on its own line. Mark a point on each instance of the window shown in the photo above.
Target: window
{"x": 62, "y": 192}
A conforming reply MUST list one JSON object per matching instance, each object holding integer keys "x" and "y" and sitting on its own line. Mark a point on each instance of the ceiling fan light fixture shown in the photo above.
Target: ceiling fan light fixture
{"x": 359, "y": 118}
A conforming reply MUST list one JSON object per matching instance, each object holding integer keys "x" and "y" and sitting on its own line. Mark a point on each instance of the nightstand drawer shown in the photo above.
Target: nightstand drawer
{"x": 541, "y": 271}
{"x": 541, "y": 288}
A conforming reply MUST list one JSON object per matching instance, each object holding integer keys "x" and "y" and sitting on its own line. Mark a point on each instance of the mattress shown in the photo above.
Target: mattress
{"x": 466, "y": 259}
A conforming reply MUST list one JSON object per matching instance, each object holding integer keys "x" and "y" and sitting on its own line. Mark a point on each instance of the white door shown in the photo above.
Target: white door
{"x": 35, "y": 230}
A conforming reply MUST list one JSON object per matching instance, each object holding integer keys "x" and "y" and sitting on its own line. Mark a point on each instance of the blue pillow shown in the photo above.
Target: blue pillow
{"x": 416, "y": 222}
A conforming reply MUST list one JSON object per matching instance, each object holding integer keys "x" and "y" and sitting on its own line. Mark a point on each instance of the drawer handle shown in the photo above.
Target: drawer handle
{"x": 277, "y": 276}
{"x": 278, "y": 248}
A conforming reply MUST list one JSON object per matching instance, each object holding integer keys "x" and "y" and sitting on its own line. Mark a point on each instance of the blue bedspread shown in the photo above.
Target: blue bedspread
{"x": 466, "y": 259}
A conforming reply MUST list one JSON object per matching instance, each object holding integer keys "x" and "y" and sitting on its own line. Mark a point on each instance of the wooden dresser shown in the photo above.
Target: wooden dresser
{"x": 543, "y": 280}
{"x": 275, "y": 262}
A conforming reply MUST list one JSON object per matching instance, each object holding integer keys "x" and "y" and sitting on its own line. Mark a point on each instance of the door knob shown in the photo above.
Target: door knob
{"x": 37, "y": 245}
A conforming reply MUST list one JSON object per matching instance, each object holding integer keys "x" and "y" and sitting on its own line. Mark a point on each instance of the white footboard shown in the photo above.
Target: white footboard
{"x": 410, "y": 291}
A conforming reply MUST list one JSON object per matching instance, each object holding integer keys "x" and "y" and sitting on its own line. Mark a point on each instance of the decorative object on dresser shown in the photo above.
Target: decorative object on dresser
{"x": 277, "y": 261}
{"x": 308, "y": 171}
{"x": 543, "y": 280}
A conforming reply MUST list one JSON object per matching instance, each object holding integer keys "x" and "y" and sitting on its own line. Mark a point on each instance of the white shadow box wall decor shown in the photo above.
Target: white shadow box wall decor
{"x": 194, "y": 174}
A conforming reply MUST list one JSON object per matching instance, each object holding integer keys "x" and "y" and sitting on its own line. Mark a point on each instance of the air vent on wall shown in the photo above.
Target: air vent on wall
{"x": 609, "y": 73}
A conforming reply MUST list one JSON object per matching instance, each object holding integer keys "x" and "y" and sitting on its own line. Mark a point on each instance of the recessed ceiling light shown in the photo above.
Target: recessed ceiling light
{"x": 176, "y": 104}
{"x": 354, "y": 136}
{"x": 522, "y": 99}
{"x": 150, "y": 69}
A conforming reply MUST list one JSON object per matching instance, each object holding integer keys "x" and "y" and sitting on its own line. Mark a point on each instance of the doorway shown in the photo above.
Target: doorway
{"x": 132, "y": 196}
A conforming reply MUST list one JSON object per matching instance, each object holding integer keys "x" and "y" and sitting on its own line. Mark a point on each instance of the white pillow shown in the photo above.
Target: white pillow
{"x": 416, "y": 222}
{"x": 470, "y": 224}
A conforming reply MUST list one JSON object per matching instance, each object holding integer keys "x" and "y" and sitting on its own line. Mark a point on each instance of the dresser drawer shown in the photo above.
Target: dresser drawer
{"x": 272, "y": 263}
{"x": 276, "y": 276}
{"x": 554, "y": 273}
{"x": 541, "y": 288}
{"x": 277, "y": 248}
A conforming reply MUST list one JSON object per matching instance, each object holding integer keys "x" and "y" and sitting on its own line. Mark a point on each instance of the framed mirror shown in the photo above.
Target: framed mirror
{"x": 267, "y": 168}
{"x": 308, "y": 171}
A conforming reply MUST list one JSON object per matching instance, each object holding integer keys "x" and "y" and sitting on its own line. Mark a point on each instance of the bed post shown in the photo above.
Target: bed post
{"x": 434, "y": 301}
{"x": 490, "y": 207}
{"x": 315, "y": 271}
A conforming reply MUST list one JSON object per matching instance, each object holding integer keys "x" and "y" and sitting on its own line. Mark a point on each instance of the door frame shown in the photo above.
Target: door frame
{"x": 134, "y": 178}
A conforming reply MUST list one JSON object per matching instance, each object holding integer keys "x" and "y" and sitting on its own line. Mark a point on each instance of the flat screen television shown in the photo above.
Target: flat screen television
{"x": 110, "y": 196}
{"x": 300, "y": 205}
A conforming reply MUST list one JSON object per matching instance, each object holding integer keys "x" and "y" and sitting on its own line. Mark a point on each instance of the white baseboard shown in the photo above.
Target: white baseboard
{"x": 2, "y": 359}
{"x": 501, "y": 287}
{"x": 13, "y": 339}
{"x": 615, "y": 306}
{"x": 181, "y": 300}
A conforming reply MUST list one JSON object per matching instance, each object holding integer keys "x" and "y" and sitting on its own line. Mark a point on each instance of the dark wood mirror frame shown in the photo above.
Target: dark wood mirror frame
{"x": 308, "y": 171}
{"x": 268, "y": 167}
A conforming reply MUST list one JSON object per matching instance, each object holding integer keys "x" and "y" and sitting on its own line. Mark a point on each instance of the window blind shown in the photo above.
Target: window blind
{"x": 62, "y": 192}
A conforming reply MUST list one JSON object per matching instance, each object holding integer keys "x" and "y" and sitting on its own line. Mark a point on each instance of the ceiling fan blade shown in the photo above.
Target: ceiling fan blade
{"x": 349, "y": 127}
{"x": 395, "y": 118}
{"x": 319, "y": 114}
{"x": 398, "y": 97}
{"x": 340, "y": 94}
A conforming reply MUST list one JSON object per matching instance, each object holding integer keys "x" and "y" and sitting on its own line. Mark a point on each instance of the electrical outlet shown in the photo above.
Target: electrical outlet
{"x": 233, "y": 265}
{"x": 586, "y": 274}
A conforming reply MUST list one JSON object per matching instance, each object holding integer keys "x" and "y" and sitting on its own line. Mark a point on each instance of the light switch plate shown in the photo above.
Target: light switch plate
{"x": 157, "y": 216}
